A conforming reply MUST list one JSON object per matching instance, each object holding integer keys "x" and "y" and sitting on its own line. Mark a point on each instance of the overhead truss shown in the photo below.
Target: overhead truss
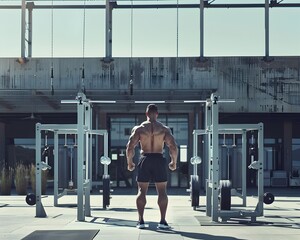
{"x": 109, "y": 5}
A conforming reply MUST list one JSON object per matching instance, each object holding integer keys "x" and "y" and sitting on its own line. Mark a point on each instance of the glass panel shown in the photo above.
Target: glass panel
{"x": 183, "y": 153}
{"x": 120, "y": 129}
{"x": 268, "y": 158}
{"x": 179, "y": 124}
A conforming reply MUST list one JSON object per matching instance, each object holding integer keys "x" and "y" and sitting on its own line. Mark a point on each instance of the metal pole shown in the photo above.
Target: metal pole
{"x": 208, "y": 123}
{"x": 260, "y": 171}
{"x": 23, "y": 28}
{"x": 97, "y": 147}
{"x": 267, "y": 28}
{"x": 201, "y": 29}
{"x": 80, "y": 156}
{"x": 215, "y": 157}
{"x": 30, "y": 6}
{"x": 244, "y": 167}
{"x": 56, "y": 168}
{"x": 105, "y": 152}
{"x": 195, "y": 148}
{"x": 108, "y": 30}
{"x": 40, "y": 212}
{"x": 88, "y": 159}
{"x": 87, "y": 149}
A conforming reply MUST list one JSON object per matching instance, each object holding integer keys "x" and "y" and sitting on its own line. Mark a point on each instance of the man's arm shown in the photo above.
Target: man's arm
{"x": 172, "y": 145}
{"x": 133, "y": 141}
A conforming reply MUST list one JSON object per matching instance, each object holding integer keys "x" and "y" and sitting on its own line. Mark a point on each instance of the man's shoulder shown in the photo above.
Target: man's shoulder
{"x": 163, "y": 126}
{"x": 139, "y": 127}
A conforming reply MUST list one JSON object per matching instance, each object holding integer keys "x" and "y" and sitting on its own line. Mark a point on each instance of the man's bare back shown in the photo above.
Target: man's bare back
{"x": 152, "y": 135}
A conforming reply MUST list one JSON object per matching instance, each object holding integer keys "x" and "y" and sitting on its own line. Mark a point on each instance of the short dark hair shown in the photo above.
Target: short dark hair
{"x": 152, "y": 108}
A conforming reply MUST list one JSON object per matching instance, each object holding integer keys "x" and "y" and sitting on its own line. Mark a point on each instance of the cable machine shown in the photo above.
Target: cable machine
{"x": 219, "y": 191}
{"x": 83, "y": 131}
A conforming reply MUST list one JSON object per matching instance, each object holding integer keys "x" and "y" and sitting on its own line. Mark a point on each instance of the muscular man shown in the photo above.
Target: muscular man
{"x": 152, "y": 166}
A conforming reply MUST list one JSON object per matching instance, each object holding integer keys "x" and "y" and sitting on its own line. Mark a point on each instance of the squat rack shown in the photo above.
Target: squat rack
{"x": 212, "y": 130}
{"x": 84, "y": 181}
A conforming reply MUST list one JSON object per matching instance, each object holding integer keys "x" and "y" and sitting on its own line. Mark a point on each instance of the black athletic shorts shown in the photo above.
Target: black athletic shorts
{"x": 152, "y": 167}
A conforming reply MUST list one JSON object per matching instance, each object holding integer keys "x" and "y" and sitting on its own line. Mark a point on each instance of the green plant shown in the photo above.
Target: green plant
{"x": 21, "y": 182}
{"x": 44, "y": 179}
{"x": 6, "y": 181}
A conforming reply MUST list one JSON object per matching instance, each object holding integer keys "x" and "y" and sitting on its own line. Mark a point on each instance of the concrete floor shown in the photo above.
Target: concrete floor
{"x": 281, "y": 220}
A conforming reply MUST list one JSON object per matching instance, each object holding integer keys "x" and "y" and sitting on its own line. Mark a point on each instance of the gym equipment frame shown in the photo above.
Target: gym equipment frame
{"x": 214, "y": 185}
{"x": 84, "y": 158}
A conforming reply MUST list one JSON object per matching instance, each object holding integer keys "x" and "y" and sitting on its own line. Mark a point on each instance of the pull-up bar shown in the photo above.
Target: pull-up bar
{"x": 143, "y": 102}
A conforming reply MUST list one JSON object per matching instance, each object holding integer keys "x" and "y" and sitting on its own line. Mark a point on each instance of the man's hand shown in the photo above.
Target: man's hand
{"x": 131, "y": 166}
{"x": 172, "y": 166}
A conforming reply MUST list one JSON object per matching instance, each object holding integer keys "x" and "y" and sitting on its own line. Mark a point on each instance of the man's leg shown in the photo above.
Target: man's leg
{"x": 141, "y": 199}
{"x": 162, "y": 199}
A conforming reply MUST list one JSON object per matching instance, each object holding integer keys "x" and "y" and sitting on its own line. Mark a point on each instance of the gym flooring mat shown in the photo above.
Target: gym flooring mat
{"x": 62, "y": 235}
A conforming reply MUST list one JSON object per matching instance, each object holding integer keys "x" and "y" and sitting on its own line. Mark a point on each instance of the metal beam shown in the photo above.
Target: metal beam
{"x": 23, "y": 28}
{"x": 108, "y": 30}
{"x": 156, "y": 6}
{"x": 201, "y": 29}
{"x": 267, "y": 11}
{"x": 29, "y": 6}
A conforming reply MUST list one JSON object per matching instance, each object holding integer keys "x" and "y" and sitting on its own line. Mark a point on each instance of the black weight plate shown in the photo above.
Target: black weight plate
{"x": 106, "y": 191}
{"x": 30, "y": 199}
{"x": 268, "y": 198}
{"x": 225, "y": 195}
{"x": 195, "y": 190}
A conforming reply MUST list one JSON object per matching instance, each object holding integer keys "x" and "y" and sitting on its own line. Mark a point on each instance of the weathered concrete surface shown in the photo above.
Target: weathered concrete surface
{"x": 256, "y": 85}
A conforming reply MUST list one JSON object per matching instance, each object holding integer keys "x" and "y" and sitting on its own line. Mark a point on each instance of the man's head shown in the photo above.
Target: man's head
{"x": 151, "y": 111}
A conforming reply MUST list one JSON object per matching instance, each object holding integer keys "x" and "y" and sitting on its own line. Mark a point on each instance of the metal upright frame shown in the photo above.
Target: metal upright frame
{"x": 84, "y": 130}
{"x": 212, "y": 130}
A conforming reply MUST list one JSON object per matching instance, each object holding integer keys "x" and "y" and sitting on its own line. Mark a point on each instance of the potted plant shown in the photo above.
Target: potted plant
{"x": 44, "y": 179}
{"x": 21, "y": 182}
{"x": 6, "y": 181}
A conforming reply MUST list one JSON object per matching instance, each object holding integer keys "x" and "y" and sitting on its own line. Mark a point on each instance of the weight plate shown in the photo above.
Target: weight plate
{"x": 268, "y": 198}
{"x": 225, "y": 195}
{"x": 30, "y": 199}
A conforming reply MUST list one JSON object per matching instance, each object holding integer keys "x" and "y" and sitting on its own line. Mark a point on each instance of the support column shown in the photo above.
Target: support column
{"x": 30, "y": 6}
{"x": 80, "y": 156}
{"x": 267, "y": 7}
{"x": 23, "y": 28}
{"x": 39, "y": 209}
{"x": 108, "y": 31}
{"x": 88, "y": 160}
{"x": 260, "y": 171}
{"x": 215, "y": 157}
{"x": 55, "y": 188}
{"x": 201, "y": 29}
{"x": 244, "y": 167}
{"x": 208, "y": 146}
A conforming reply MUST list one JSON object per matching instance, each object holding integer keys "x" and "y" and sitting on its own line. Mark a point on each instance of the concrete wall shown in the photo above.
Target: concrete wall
{"x": 256, "y": 85}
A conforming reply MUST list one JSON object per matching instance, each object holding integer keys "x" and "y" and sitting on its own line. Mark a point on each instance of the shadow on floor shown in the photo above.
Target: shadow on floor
{"x": 152, "y": 226}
